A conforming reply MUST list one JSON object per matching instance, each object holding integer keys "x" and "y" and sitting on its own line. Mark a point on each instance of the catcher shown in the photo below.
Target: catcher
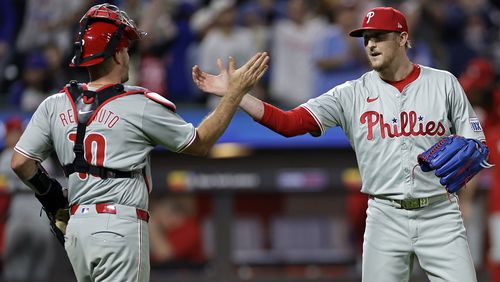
{"x": 103, "y": 132}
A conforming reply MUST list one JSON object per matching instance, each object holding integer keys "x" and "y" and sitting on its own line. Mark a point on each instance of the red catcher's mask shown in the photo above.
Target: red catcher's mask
{"x": 104, "y": 30}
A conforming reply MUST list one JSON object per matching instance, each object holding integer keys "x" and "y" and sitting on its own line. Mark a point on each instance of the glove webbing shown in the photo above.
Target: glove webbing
{"x": 434, "y": 149}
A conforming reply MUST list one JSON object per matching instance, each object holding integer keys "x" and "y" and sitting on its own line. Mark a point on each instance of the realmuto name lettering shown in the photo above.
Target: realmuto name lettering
{"x": 105, "y": 117}
{"x": 409, "y": 124}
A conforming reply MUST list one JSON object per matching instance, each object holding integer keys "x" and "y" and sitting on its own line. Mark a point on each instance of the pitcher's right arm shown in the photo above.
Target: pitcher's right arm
{"x": 290, "y": 123}
{"x": 239, "y": 82}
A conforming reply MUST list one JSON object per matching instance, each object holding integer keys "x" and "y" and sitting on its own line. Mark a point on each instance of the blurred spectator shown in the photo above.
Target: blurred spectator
{"x": 180, "y": 58}
{"x": 29, "y": 248}
{"x": 356, "y": 205}
{"x": 166, "y": 57}
{"x": 479, "y": 82}
{"x": 493, "y": 138}
{"x": 7, "y": 22}
{"x": 480, "y": 27}
{"x": 175, "y": 232}
{"x": 7, "y": 26}
{"x": 57, "y": 69}
{"x": 426, "y": 22}
{"x": 224, "y": 39}
{"x": 27, "y": 93}
{"x": 157, "y": 22}
{"x": 4, "y": 193}
{"x": 292, "y": 42}
{"x": 253, "y": 19}
{"x": 338, "y": 57}
{"x": 49, "y": 21}
{"x": 454, "y": 21}
{"x": 268, "y": 10}
{"x": 420, "y": 52}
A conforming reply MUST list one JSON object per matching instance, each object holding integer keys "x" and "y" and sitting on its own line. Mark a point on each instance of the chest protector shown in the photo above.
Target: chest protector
{"x": 86, "y": 103}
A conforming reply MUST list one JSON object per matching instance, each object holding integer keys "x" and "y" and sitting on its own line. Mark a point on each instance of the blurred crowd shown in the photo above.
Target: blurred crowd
{"x": 308, "y": 42}
{"x": 310, "y": 54}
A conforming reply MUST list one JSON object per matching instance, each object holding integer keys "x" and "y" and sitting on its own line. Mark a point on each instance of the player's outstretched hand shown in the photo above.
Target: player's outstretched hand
{"x": 243, "y": 79}
{"x": 210, "y": 83}
{"x": 218, "y": 84}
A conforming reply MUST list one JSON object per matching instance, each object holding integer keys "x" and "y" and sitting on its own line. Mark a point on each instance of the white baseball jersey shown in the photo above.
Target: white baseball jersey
{"x": 121, "y": 136}
{"x": 388, "y": 128}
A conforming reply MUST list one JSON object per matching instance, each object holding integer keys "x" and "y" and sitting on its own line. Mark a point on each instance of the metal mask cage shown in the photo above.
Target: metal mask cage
{"x": 114, "y": 14}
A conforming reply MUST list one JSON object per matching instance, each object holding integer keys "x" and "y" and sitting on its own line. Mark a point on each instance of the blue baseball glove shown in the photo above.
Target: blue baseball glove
{"x": 456, "y": 160}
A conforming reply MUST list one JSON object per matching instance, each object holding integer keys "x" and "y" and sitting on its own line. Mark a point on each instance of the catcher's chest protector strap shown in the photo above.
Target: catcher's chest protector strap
{"x": 86, "y": 102}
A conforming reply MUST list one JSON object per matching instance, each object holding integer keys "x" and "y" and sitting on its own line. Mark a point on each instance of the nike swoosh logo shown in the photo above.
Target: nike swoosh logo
{"x": 369, "y": 100}
{"x": 83, "y": 112}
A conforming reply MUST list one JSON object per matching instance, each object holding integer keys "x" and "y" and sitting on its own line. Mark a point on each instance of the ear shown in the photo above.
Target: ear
{"x": 403, "y": 38}
{"x": 118, "y": 57}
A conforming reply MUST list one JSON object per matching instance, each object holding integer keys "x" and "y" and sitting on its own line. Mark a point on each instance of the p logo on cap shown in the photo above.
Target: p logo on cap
{"x": 382, "y": 18}
{"x": 369, "y": 16}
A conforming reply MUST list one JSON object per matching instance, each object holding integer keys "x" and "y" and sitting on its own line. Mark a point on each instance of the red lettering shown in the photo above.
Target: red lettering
{"x": 62, "y": 116}
{"x": 70, "y": 116}
{"x": 383, "y": 127}
{"x": 404, "y": 124}
{"x": 420, "y": 130}
{"x": 440, "y": 130}
{"x": 396, "y": 131}
{"x": 413, "y": 119}
{"x": 429, "y": 127}
{"x": 113, "y": 121}
{"x": 370, "y": 118}
{"x": 110, "y": 113}
{"x": 106, "y": 118}
{"x": 94, "y": 152}
{"x": 409, "y": 125}
{"x": 102, "y": 113}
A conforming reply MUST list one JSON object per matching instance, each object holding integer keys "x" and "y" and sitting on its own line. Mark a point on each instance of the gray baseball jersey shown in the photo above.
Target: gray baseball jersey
{"x": 388, "y": 128}
{"x": 121, "y": 136}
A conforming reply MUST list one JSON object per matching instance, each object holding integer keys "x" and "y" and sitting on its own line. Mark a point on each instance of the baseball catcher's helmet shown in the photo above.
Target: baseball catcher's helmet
{"x": 104, "y": 30}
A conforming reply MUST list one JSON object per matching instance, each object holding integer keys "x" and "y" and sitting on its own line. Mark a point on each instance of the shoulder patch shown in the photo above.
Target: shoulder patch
{"x": 475, "y": 124}
{"x": 161, "y": 100}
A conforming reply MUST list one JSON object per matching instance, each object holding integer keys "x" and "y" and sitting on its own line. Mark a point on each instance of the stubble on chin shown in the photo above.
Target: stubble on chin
{"x": 375, "y": 66}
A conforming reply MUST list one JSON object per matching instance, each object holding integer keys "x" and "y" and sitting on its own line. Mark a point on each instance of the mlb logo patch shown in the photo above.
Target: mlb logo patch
{"x": 475, "y": 124}
{"x": 84, "y": 210}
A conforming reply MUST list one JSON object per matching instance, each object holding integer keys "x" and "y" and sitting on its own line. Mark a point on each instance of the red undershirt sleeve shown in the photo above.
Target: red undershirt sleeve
{"x": 290, "y": 123}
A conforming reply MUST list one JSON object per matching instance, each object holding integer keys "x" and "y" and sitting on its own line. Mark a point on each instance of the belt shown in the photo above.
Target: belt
{"x": 411, "y": 204}
{"x": 111, "y": 209}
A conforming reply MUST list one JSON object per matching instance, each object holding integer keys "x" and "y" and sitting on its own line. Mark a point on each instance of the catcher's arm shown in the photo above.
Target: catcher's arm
{"x": 455, "y": 160}
{"x": 47, "y": 190}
